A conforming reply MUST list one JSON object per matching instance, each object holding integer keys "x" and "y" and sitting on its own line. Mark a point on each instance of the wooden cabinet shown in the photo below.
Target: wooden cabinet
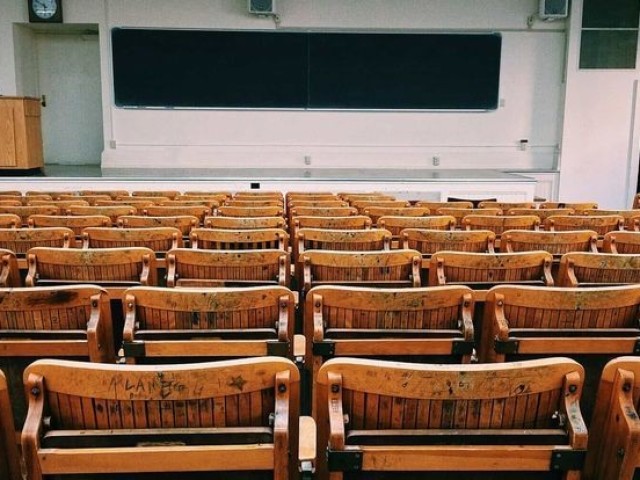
{"x": 20, "y": 133}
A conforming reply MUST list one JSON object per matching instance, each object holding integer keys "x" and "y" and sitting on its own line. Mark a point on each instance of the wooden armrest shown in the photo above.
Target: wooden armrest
{"x": 576, "y": 427}
{"x": 307, "y": 446}
{"x": 283, "y": 319}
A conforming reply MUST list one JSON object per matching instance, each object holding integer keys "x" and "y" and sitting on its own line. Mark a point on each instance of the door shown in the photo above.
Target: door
{"x": 69, "y": 77}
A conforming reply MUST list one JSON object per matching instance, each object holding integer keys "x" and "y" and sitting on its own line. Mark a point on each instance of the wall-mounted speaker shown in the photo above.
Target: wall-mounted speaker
{"x": 262, "y": 7}
{"x": 553, "y": 9}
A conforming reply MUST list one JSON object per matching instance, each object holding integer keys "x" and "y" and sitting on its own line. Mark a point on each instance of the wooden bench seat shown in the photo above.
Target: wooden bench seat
{"x": 184, "y": 223}
{"x": 227, "y": 239}
{"x": 158, "y": 239}
{"x": 387, "y": 417}
{"x": 580, "y": 269}
{"x": 428, "y": 242}
{"x": 244, "y": 223}
{"x": 231, "y": 416}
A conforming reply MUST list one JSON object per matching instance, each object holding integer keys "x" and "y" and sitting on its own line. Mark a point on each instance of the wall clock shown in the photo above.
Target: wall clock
{"x": 45, "y": 11}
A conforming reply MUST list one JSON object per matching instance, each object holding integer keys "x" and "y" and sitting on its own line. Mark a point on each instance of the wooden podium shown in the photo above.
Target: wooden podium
{"x": 20, "y": 133}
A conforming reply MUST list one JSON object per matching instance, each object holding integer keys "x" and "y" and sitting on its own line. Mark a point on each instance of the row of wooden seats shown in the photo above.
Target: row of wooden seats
{"x": 242, "y": 416}
{"x": 116, "y": 267}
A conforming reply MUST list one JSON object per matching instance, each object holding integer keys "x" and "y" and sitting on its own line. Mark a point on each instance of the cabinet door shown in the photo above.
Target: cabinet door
{"x": 7, "y": 136}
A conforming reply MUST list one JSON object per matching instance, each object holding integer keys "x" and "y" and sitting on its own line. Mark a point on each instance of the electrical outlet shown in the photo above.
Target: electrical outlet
{"x": 307, "y": 159}
{"x": 436, "y": 161}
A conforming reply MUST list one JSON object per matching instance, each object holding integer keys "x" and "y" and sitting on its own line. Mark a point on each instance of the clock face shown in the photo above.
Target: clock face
{"x": 44, "y": 9}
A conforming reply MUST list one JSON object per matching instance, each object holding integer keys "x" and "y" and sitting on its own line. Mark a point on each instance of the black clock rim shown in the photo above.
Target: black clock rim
{"x": 55, "y": 18}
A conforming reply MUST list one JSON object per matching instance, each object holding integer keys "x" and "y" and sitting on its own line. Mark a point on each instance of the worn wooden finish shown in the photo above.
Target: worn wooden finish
{"x": 573, "y": 205}
{"x": 189, "y": 267}
{"x": 506, "y": 206}
{"x": 560, "y": 321}
{"x": 9, "y": 220}
{"x": 499, "y": 223}
{"x": 428, "y": 242}
{"x": 556, "y": 243}
{"x": 171, "y": 324}
{"x": 231, "y": 398}
{"x": 435, "y": 206}
{"x": 631, "y": 217}
{"x": 332, "y": 202}
{"x": 226, "y": 211}
{"x": 244, "y": 223}
{"x": 158, "y": 239}
{"x": 391, "y": 402}
{"x": 109, "y": 267}
{"x": 212, "y": 204}
{"x": 90, "y": 199}
{"x": 621, "y": 242}
{"x": 198, "y": 211}
{"x": 375, "y": 213}
{"x": 417, "y": 323}
{"x": 310, "y": 196}
{"x": 600, "y": 224}
{"x": 358, "y": 240}
{"x": 356, "y": 222}
{"x": 206, "y": 194}
{"x": 352, "y": 197}
{"x": 221, "y": 239}
{"x": 322, "y": 212}
{"x": 111, "y": 211}
{"x": 61, "y": 204}
{"x": 11, "y": 193}
{"x": 25, "y": 211}
{"x": 9, "y": 271}
{"x": 579, "y": 269}
{"x": 75, "y": 223}
{"x": 9, "y": 455}
{"x": 542, "y": 214}
{"x": 184, "y": 223}
{"x": 20, "y": 240}
{"x": 154, "y": 200}
{"x": 482, "y": 270}
{"x": 138, "y": 204}
{"x": 460, "y": 213}
{"x": 44, "y": 195}
{"x": 171, "y": 194}
{"x": 249, "y": 202}
{"x": 614, "y": 434}
{"x": 396, "y": 224}
{"x": 110, "y": 193}
{"x": 363, "y": 205}
{"x": 258, "y": 194}
{"x": 396, "y": 268}
{"x": 213, "y": 197}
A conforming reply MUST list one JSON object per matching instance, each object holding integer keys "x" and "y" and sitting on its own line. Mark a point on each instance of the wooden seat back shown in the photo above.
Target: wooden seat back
{"x": 10, "y": 220}
{"x": 395, "y": 268}
{"x": 542, "y": 214}
{"x": 485, "y": 270}
{"x": 578, "y": 269}
{"x": 171, "y": 194}
{"x": 75, "y": 223}
{"x": 184, "y": 223}
{"x": 631, "y": 217}
{"x": 190, "y": 267}
{"x": 111, "y": 211}
{"x": 353, "y": 240}
{"x": 428, "y": 242}
{"x": 407, "y": 417}
{"x": 365, "y": 197}
{"x": 433, "y": 324}
{"x": 573, "y": 205}
{"x": 614, "y": 433}
{"x": 206, "y": 194}
{"x": 131, "y": 201}
{"x": 90, "y": 199}
{"x": 311, "y": 196}
{"x": 9, "y": 271}
{"x": 72, "y": 322}
{"x": 226, "y": 211}
{"x": 435, "y": 206}
{"x": 11, "y": 203}
{"x": 10, "y": 193}
{"x": 363, "y": 205}
{"x": 212, "y": 204}
{"x": 499, "y": 223}
{"x": 168, "y": 325}
{"x": 322, "y": 212}
{"x": 621, "y": 242}
{"x": 333, "y": 202}
{"x": 25, "y": 211}
{"x": 249, "y": 202}
{"x": 110, "y": 193}
{"x": 9, "y": 455}
{"x": 556, "y": 243}
{"x": 244, "y": 223}
{"x": 375, "y": 212}
{"x": 141, "y": 418}
{"x": 396, "y": 224}
{"x": 198, "y": 211}
{"x": 460, "y": 213}
{"x": 212, "y": 197}
{"x": 44, "y": 195}
{"x": 158, "y": 239}
{"x": 20, "y": 240}
{"x": 221, "y": 239}
{"x": 61, "y": 204}
{"x": 259, "y": 194}
{"x": 599, "y": 224}
{"x": 355, "y": 222}
{"x": 109, "y": 267}
{"x": 154, "y": 200}
{"x": 506, "y": 206}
